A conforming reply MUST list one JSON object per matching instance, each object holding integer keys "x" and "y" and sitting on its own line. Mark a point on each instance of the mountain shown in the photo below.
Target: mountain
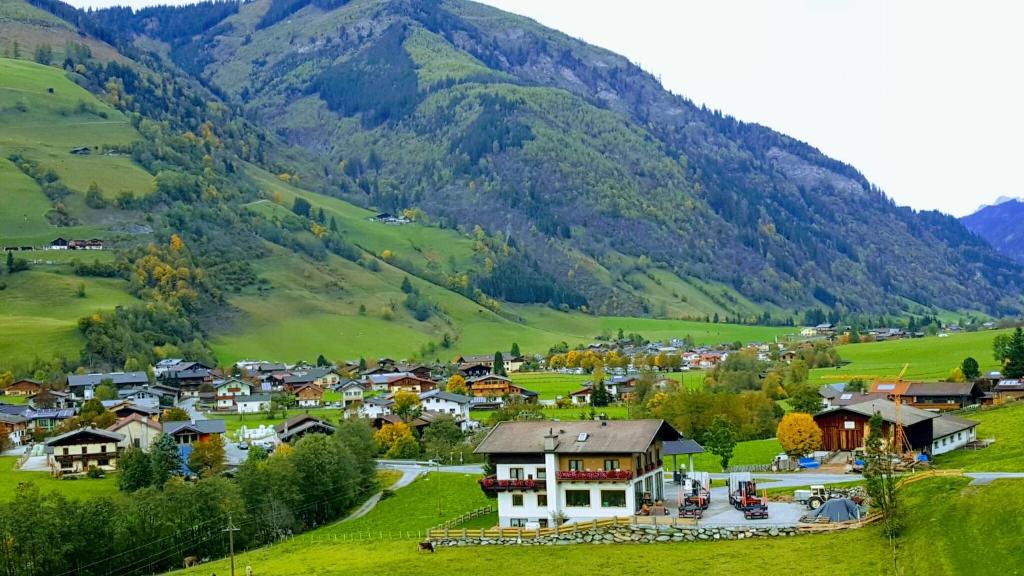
{"x": 579, "y": 157}
{"x": 1000, "y": 225}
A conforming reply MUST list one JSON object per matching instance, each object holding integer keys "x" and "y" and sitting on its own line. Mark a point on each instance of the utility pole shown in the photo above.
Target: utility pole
{"x": 231, "y": 529}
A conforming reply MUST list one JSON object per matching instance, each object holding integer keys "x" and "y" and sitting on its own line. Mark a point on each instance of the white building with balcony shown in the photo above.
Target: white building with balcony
{"x": 548, "y": 472}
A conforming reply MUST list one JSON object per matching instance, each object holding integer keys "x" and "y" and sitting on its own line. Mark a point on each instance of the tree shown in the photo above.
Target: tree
{"x": 599, "y": 396}
{"x": 805, "y": 398}
{"x": 1013, "y": 367}
{"x": 404, "y": 449}
{"x": 970, "y": 368}
{"x": 856, "y": 385}
{"x": 515, "y": 350}
{"x": 441, "y": 438}
{"x": 44, "y": 54}
{"x": 6, "y": 379}
{"x": 207, "y": 457}
{"x": 321, "y": 361}
{"x": 406, "y": 285}
{"x": 165, "y": 459}
{"x": 94, "y": 197}
{"x": 407, "y": 406}
{"x": 957, "y": 375}
{"x": 106, "y": 390}
{"x": 457, "y": 384}
{"x": 301, "y": 207}
{"x": 881, "y": 477}
{"x": 174, "y": 414}
{"x": 499, "y": 364}
{"x": 390, "y": 434}
{"x": 134, "y": 470}
{"x": 799, "y": 434}
{"x": 720, "y": 439}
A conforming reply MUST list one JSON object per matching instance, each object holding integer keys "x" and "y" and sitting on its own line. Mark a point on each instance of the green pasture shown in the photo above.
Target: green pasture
{"x": 1005, "y": 424}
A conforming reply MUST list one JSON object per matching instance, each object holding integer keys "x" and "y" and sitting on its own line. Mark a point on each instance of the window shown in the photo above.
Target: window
{"x": 516, "y": 473}
{"x": 613, "y": 498}
{"x": 517, "y": 522}
{"x": 542, "y": 474}
{"x": 610, "y": 465}
{"x": 576, "y": 465}
{"x": 543, "y": 522}
{"x": 517, "y": 499}
{"x": 577, "y": 498}
{"x": 542, "y": 500}
{"x": 849, "y": 425}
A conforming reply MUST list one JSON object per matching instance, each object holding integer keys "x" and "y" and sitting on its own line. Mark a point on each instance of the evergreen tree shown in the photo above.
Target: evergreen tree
{"x": 165, "y": 459}
{"x": 134, "y": 470}
{"x": 1014, "y": 367}
{"x": 515, "y": 350}
{"x": 321, "y": 361}
{"x": 334, "y": 224}
{"x": 407, "y": 285}
{"x": 499, "y": 364}
{"x": 599, "y": 396}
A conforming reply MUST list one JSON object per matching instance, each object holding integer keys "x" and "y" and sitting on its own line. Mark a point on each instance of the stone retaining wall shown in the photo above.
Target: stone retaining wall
{"x": 624, "y": 534}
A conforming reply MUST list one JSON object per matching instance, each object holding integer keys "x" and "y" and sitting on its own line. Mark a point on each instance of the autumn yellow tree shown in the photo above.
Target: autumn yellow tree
{"x": 798, "y": 434}
{"x": 457, "y": 384}
{"x": 6, "y": 379}
{"x": 391, "y": 434}
{"x": 407, "y": 405}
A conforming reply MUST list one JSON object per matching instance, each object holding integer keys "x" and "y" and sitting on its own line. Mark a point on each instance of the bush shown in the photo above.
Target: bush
{"x": 95, "y": 472}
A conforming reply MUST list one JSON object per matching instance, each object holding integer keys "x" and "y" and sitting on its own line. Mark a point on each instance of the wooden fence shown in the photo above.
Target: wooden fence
{"x": 482, "y": 511}
{"x": 848, "y": 525}
{"x": 494, "y": 533}
{"x": 911, "y": 478}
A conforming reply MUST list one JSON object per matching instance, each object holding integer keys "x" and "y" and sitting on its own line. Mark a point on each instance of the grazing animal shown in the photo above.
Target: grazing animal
{"x": 427, "y": 547}
{"x": 191, "y": 561}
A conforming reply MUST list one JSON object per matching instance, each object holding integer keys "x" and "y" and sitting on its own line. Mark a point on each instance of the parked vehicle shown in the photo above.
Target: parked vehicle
{"x": 243, "y": 445}
{"x": 743, "y": 496}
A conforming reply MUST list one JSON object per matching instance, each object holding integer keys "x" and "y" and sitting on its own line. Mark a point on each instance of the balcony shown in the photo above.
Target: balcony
{"x": 594, "y": 475}
{"x": 491, "y": 483}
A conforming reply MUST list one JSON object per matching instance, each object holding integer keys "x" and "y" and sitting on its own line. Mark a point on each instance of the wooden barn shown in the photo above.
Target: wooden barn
{"x": 847, "y": 427}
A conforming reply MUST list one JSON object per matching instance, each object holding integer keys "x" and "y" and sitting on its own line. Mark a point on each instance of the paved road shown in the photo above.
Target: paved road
{"x": 979, "y": 478}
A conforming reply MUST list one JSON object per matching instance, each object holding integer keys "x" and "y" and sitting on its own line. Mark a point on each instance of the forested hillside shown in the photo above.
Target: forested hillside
{"x": 1000, "y": 225}
{"x": 479, "y": 117}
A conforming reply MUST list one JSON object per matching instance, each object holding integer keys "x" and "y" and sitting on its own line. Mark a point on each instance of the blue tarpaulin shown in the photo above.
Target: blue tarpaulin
{"x": 809, "y": 463}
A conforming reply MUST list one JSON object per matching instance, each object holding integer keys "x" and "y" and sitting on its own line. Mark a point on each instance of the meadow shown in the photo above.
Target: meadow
{"x": 10, "y": 479}
{"x": 1005, "y": 425}
{"x": 930, "y": 358}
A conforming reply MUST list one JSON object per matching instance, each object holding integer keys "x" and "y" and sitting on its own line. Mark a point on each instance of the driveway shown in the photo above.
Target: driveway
{"x": 980, "y": 478}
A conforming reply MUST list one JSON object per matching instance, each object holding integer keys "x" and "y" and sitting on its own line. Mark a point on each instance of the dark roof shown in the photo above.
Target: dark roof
{"x": 850, "y": 398}
{"x": 253, "y": 398}
{"x": 1007, "y": 385}
{"x": 948, "y": 424}
{"x": 576, "y": 437}
{"x": 681, "y": 446}
{"x": 887, "y": 408}
{"x": 118, "y": 378}
{"x": 300, "y": 424}
{"x": 831, "y": 390}
{"x": 67, "y": 436}
{"x": 12, "y": 418}
{"x": 486, "y": 377}
{"x": 445, "y": 395}
{"x": 941, "y": 389}
{"x": 215, "y": 426}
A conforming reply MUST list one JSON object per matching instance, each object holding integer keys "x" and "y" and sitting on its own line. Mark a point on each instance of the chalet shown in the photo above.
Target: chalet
{"x": 77, "y": 451}
{"x": 1007, "y": 390}
{"x": 494, "y": 386}
{"x": 474, "y": 370}
{"x": 83, "y": 386}
{"x": 404, "y": 382}
{"x": 417, "y": 370}
{"x": 59, "y": 244}
{"x": 138, "y": 431}
{"x": 388, "y": 218}
{"x": 825, "y": 329}
{"x": 124, "y": 408}
{"x": 940, "y": 396}
{"x": 376, "y": 407}
{"x": 509, "y": 362}
{"x": 14, "y": 426}
{"x": 582, "y": 396}
{"x": 579, "y": 470}
{"x": 23, "y": 388}
{"x": 845, "y": 428}
{"x": 50, "y": 399}
{"x": 309, "y": 395}
{"x": 351, "y": 392}
{"x": 186, "y": 375}
{"x": 379, "y": 370}
{"x": 226, "y": 390}
{"x": 90, "y": 244}
{"x": 252, "y": 403}
{"x": 298, "y": 426}
{"x": 455, "y": 405}
{"x": 321, "y": 377}
{"x": 141, "y": 396}
{"x": 189, "y": 431}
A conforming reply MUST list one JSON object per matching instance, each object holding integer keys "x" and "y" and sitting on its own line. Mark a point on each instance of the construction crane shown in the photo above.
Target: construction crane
{"x": 900, "y": 435}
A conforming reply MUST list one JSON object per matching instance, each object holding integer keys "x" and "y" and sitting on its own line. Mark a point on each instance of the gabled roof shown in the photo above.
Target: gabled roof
{"x": 252, "y": 398}
{"x": 12, "y": 418}
{"x": 887, "y": 408}
{"x": 122, "y": 422}
{"x": 215, "y": 426}
{"x": 68, "y": 437}
{"x": 941, "y": 389}
{"x": 577, "y": 436}
{"x": 681, "y": 446}
{"x": 118, "y": 378}
{"x": 1008, "y": 385}
{"x": 301, "y": 422}
{"x": 445, "y": 395}
{"x": 487, "y": 377}
{"x": 948, "y": 424}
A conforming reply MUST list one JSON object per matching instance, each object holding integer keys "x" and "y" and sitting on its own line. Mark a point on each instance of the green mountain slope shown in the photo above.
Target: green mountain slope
{"x": 479, "y": 117}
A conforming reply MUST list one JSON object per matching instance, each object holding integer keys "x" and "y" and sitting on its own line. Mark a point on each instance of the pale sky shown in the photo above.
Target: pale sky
{"x": 925, "y": 98}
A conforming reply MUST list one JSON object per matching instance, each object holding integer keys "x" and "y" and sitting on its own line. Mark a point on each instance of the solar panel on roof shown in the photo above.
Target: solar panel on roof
{"x": 846, "y": 396}
{"x": 886, "y": 386}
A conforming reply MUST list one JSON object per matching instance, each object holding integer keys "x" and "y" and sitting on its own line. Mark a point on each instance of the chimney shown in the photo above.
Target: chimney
{"x": 550, "y": 441}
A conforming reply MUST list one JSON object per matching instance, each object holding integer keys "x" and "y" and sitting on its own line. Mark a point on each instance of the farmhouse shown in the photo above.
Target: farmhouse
{"x": 189, "y": 431}
{"x": 509, "y": 362}
{"x": 474, "y": 370}
{"x": 24, "y": 388}
{"x": 138, "y": 431}
{"x": 252, "y": 403}
{"x": 227, "y": 390}
{"x": 455, "y": 405}
{"x": 351, "y": 392}
{"x": 83, "y": 386}
{"x": 405, "y": 382}
{"x": 493, "y": 386}
{"x": 309, "y": 395}
{"x": 1007, "y": 390}
{"x": 15, "y": 426}
{"x": 845, "y": 428}
{"x": 50, "y": 399}
{"x": 578, "y": 470}
{"x": 76, "y": 451}
{"x": 298, "y": 426}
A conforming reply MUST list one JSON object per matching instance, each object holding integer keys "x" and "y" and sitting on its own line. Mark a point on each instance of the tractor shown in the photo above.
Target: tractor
{"x": 818, "y": 495}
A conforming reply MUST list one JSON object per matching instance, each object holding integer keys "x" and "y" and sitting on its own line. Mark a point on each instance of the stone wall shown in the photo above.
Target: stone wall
{"x": 621, "y": 534}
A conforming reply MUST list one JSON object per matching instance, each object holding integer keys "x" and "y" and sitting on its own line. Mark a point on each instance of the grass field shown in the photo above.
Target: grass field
{"x": 931, "y": 358}
{"x": 550, "y": 385}
{"x": 749, "y": 452}
{"x": 10, "y": 478}
{"x": 1006, "y": 425}
{"x": 40, "y": 310}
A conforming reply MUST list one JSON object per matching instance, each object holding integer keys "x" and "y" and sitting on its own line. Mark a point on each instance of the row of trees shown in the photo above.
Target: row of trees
{"x": 168, "y": 519}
